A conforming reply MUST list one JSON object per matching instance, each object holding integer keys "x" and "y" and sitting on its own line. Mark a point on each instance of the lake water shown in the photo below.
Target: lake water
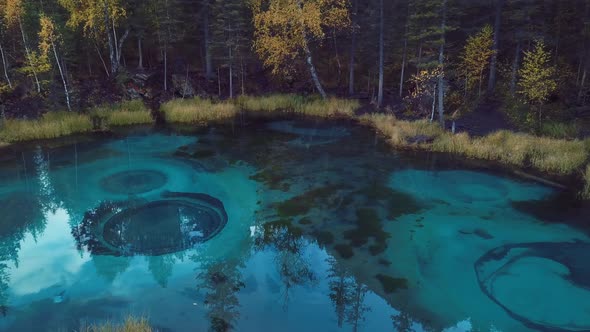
{"x": 281, "y": 226}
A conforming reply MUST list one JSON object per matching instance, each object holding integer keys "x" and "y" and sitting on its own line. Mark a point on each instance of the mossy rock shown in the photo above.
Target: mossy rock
{"x": 344, "y": 250}
{"x": 391, "y": 284}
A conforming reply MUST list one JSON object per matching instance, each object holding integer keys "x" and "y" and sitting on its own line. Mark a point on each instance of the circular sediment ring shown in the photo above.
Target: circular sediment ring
{"x": 177, "y": 222}
{"x": 134, "y": 181}
{"x": 544, "y": 285}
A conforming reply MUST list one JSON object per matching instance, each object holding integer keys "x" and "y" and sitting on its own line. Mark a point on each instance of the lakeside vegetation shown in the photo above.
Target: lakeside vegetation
{"x": 549, "y": 155}
{"x": 58, "y": 124}
{"x": 555, "y": 156}
{"x": 131, "y": 324}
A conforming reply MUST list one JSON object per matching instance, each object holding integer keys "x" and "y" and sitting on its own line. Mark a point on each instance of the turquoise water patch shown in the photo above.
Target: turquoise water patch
{"x": 239, "y": 228}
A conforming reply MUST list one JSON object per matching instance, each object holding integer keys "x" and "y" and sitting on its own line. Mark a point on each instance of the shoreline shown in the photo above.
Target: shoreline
{"x": 549, "y": 158}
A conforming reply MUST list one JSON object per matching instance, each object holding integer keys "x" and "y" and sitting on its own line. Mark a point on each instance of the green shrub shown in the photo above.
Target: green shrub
{"x": 50, "y": 125}
{"x": 560, "y": 130}
{"x": 197, "y": 110}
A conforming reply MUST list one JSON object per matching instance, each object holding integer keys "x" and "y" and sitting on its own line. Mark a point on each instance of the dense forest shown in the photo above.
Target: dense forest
{"x": 427, "y": 58}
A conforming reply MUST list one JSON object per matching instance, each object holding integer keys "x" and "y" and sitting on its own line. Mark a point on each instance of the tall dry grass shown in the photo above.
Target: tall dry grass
{"x": 311, "y": 106}
{"x": 197, "y": 110}
{"x": 50, "y": 125}
{"x": 125, "y": 113}
{"x": 557, "y": 156}
{"x": 131, "y": 324}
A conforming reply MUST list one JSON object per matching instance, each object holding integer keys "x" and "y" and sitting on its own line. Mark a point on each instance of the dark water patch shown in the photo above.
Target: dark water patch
{"x": 391, "y": 284}
{"x": 20, "y": 212}
{"x": 368, "y": 225}
{"x": 344, "y": 250}
{"x": 305, "y": 221}
{"x": 479, "y": 232}
{"x": 282, "y": 235}
{"x": 384, "y": 262}
{"x": 190, "y": 152}
{"x": 563, "y": 263}
{"x": 323, "y": 197}
{"x": 559, "y": 208}
{"x": 396, "y": 203}
{"x": 134, "y": 182}
{"x": 324, "y": 237}
{"x": 174, "y": 223}
{"x": 273, "y": 178}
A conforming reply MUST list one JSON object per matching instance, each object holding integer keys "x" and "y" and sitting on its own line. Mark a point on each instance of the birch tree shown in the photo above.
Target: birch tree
{"x": 285, "y": 29}
{"x": 48, "y": 39}
{"x": 100, "y": 19}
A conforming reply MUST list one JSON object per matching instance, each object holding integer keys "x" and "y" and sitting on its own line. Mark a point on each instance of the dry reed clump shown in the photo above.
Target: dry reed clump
{"x": 125, "y": 113}
{"x": 312, "y": 106}
{"x": 197, "y": 110}
{"x": 131, "y": 324}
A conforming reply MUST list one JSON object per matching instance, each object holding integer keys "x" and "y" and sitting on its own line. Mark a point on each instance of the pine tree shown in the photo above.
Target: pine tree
{"x": 476, "y": 57}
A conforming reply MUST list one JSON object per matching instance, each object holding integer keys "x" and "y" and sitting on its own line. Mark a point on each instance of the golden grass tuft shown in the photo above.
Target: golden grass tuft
{"x": 311, "y": 106}
{"x": 131, "y": 324}
{"x": 557, "y": 156}
{"x": 126, "y": 113}
{"x": 270, "y": 103}
{"x": 197, "y": 110}
{"x": 50, "y": 125}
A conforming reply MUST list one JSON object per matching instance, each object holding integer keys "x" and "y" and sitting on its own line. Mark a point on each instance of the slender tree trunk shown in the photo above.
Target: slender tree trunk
{"x": 515, "y": 69}
{"x": 139, "y": 54}
{"x": 166, "y": 66}
{"x": 404, "y": 55}
{"x": 5, "y": 66}
{"x": 104, "y": 64}
{"x": 231, "y": 75}
{"x": 208, "y": 61}
{"x": 111, "y": 43}
{"x": 496, "y": 47}
{"x": 441, "y": 59}
{"x": 63, "y": 77}
{"x": 242, "y": 70}
{"x": 582, "y": 83}
{"x": 381, "y": 53}
{"x": 352, "y": 49}
{"x": 22, "y": 31}
{"x": 338, "y": 63}
{"x": 119, "y": 46}
{"x": 313, "y": 72}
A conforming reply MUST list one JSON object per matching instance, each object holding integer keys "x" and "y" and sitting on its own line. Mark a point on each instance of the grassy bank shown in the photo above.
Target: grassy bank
{"x": 202, "y": 111}
{"x": 58, "y": 124}
{"x": 310, "y": 106}
{"x": 555, "y": 156}
{"x": 50, "y": 125}
{"x": 197, "y": 110}
{"x": 126, "y": 113}
{"x": 549, "y": 155}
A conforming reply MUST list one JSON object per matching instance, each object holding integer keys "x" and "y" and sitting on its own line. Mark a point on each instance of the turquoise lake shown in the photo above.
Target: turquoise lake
{"x": 281, "y": 226}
